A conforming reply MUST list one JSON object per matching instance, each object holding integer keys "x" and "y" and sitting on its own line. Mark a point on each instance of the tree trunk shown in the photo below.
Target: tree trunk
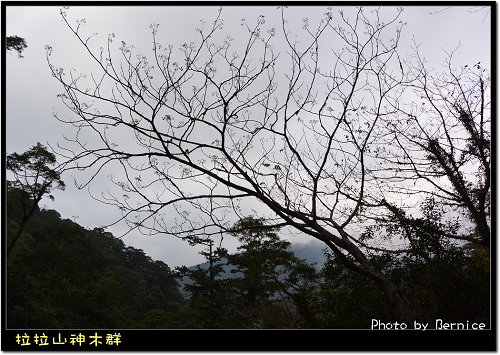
{"x": 21, "y": 227}
{"x": 401, "y": 305}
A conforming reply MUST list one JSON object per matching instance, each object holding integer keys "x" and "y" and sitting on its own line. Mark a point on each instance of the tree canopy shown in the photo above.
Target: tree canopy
{"x": 16, "y": 43}
{"x": 34, "y": 178}
{"x": 64, "y": 276}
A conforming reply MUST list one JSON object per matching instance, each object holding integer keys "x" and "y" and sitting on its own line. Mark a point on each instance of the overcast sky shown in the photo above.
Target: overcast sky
{"x": 31, "y": 91}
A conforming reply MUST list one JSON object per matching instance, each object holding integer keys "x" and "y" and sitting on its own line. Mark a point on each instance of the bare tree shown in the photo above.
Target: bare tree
{"x": 200, "y": 130}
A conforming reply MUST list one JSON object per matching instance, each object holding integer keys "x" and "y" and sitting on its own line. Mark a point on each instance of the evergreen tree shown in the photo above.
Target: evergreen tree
{"x": 34, "y": 178}
{"x": 268, "y": 275}
{"x": 209, "y": 298}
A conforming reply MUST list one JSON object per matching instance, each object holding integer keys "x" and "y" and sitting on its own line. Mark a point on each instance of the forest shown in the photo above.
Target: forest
{"x": 336, "y": 127}
{"x": 61, "y": 275}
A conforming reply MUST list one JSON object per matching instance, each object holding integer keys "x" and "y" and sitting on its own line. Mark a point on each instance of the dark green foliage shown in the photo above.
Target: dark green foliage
{"x": 62, "y": 275}
{"x": 269, "y": 275}
{"x": 440, "y": 277}
{"x": 265, "y": 280}
{"x": 261, "y": 259}
{"x": 453, "y": 287}
{"x": 342, "y": 300}
{"x": 33, "y": 179}
{"x": 16, "y": 43}
{"x": 272, "y": 288}
{"x": 210, "y": 298}
{"x": 32, "y": 170}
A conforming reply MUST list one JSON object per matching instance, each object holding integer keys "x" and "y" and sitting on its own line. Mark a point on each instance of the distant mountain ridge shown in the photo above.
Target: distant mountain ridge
{"x": 313, "y": 252}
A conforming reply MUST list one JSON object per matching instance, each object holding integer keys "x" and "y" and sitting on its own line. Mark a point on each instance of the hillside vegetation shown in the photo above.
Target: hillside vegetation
{"x": 62, "y": 275}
